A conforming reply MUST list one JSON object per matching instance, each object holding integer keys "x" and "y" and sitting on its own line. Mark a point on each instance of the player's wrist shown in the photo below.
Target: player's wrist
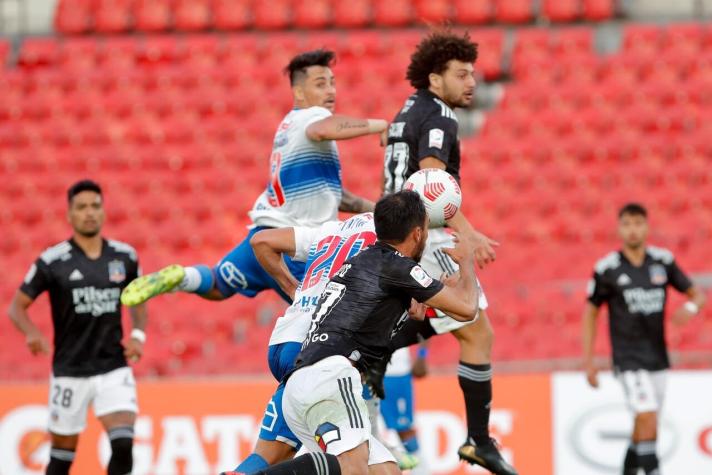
{"x": 376, "y": 126}
{"x": 138, "y": 335}
{"x": 692, "y": 307}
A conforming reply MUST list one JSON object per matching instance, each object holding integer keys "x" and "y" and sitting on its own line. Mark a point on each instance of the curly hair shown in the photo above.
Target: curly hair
{"x": 434, "y": 52}
{"x": 298, "y": 65}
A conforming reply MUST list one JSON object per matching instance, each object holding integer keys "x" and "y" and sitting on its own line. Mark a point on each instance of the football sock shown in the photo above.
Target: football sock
{"x": 411, "y": 444}
{"x": 59, "y": 461}
{"x": 121, "y": 462}
{"x": 253, "y": 463}
{"x": 476, "y": 384}
{"x": 198, "y": 279}
{"x": 312, "y": 462}
{"x": 630, "y": 464}
{"x": 647, "y": 458}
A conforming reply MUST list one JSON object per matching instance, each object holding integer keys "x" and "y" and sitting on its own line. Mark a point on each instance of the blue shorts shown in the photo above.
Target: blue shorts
{"x": 240, "y": 272}
{"x": 397, "y": 408}
{"x": 281, "y": 359}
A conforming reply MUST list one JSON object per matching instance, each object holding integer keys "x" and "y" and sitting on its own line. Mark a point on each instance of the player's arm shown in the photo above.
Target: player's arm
{"x": 133, "y": 349}
{"x": 36, "y": 341}
{"x": 352, "y": 203}
{"x": 341, "y": 127}
{"x": 696, "y": 300}
{"x": 268, "y": 246}
{"x": 588, "y": 339}
{"x": 483, "y": 245}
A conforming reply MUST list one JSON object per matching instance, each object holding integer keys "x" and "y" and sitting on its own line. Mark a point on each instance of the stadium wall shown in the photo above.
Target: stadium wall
{"x": 547, "y": 424}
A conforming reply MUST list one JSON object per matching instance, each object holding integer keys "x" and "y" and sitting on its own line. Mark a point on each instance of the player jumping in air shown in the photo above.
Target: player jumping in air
{"x": 305, "y": 189}
{"x": 633, "y": 282}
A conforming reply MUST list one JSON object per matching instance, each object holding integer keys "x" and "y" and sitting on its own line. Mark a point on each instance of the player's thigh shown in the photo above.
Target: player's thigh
{"x": 69, "y": 400}
{"x": 281, "y": 358}
{"x": 240, "y": 271}
{"x": 397, "y": 407}
{"x": 324, "y": 407}
{"x": 274, "y": 427}
{"x": 639, "y": 391}
{"x": 115, "y": 401}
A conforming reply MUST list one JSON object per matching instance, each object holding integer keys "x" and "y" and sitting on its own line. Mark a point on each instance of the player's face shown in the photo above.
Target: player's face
{"x": 319, "y": 88}
{"x": 633, "y": 230}
{"x": 458, "y": 83}
{"x": 86, "y": 213}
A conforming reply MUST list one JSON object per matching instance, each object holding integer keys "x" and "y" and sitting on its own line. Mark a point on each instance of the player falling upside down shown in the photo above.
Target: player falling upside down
{"x": 424, "y": 135}
{"x": 305, "y": 189}
{"x": 361, "y": 308}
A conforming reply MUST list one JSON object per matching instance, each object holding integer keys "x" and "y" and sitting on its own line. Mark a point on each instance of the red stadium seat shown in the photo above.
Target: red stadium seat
{"x": 433, "y": 11}
{"x": 473, "y": 12}
{"x": 192, "y": 15}
{"x": 73, "y": 16}
{"x": 38, "y": 52}
{"x": 153, "y": 15}
{"x": 275, "y": 15}
{"x": 514, "y": 11}
{"x": 351, "y": 14}
{"x": 231, "y": 14}
{"x": 491, "y": 44}
{"x": 113, "y": 16}
{"x": 314, "y": 14}
{"x": 561, "y": 11}
{"x": 597, "y": 10}
{"x": 4, "y": 51}
{"x": 392, "y": 13}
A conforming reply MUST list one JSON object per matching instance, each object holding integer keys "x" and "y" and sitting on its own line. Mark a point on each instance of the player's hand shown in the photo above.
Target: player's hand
{"x": 37, "y": 343}
{"x": 592, "y": 375}
{"x": 383, "y": 137}
{"x": 420, "y": 368}
{"x": 484, "y": 248}
{"x": 463, "y": 250}
{"x": 133, "y": 350}
{"x": 682, "y": 316}
{"x": 417, "y": 310}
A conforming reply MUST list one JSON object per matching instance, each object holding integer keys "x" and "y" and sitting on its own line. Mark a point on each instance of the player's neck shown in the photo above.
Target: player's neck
{"x": 636, "y": 255}
{"x": 437, "y": 93}
{"x": 406, "y": 248}
{"x": 91, "y": 245}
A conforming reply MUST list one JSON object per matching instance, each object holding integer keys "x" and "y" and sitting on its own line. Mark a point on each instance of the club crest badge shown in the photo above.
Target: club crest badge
{"x": 658, "y": 275}
{"x": 117, "y": 271}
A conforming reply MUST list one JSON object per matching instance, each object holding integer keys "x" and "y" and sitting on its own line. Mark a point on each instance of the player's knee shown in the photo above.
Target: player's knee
{"x": 121, "y": 461}
{"x": 64, "y": 442}
{"x": 478, "y": 337}
{"x": 646, "y": 426}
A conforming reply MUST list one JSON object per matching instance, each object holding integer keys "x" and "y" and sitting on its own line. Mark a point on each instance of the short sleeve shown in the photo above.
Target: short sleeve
{"x": 677, "y": 278}
{"x": 315, "y": 114}
{"x": 303, "y": 239}
{"x": 438, "y": 135}
{"x": 599, "y": 292}
{"x": 37, "y": 279}
{"x": 414, "y": 281}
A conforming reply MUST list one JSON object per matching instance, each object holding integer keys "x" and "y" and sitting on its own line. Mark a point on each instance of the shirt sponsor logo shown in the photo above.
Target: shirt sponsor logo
{"x": 435, "y": 138}
{"x": 117, "y": 271}
{"x": 421, "y": 276}
{"x": 658, "y": 275}
{"x": 97, "y": 302}
{"x": 645, "y": 301}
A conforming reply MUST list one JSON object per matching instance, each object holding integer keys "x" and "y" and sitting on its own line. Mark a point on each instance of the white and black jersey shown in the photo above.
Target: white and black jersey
{"x": 425, "y": 127}
{"x": 86, "y": 311}
{"x": 636, "y": 298}
{"x": 364, "y": 305}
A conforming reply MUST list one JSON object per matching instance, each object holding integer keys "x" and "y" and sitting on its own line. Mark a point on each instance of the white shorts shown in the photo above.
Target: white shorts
{"x": 644, "y": 390}
{"x": 323, "y": 406}
{"x": 69, "y": 398}
{"x": 436, "y": 262}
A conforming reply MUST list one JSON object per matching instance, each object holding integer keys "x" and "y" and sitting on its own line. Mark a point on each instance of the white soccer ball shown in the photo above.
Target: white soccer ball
{"x": 439, "y": 191}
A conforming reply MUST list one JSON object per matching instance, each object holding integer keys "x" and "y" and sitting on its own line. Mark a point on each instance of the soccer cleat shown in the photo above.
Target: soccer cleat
{"x": 156, "y": 283}
{"x": 486, "y": 456}
{"x": 405, "y": 460}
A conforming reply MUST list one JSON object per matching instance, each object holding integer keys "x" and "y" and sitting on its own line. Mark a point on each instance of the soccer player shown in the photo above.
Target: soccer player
{"x": 84, "y": 277}
{"x": 424, "y": 135}
{"x": 633, "y": 282}
{"x": 305, "y": 189}
{"x": 363, "y": 306}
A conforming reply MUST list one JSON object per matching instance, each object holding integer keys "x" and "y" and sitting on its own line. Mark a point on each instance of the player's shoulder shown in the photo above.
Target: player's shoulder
{"x": 120, "y": 247}
{"x": 56, "y": 252}
{"x": 358, "y": 222}
{"x": 660, "y": 254}
{"x": 310, "y": 112}
{"x": 610, "y": 261}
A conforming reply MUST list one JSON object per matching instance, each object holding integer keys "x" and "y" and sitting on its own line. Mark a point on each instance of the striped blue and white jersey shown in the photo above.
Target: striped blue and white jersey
{"x": 305, "y": 176}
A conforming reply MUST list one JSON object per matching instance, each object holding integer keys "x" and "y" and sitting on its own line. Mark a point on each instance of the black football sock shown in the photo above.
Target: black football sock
{"x": 121, "y": 461}
{"x": 312, "y": 462}
{"x": 476, "y": 384}
{"x": 647, "y": 457}
{"x": 59, "y": 461}
{"x": 630, "y": 464}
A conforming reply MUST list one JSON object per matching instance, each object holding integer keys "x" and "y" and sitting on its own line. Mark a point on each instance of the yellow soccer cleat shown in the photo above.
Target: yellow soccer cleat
{"x": 148, "y": 286}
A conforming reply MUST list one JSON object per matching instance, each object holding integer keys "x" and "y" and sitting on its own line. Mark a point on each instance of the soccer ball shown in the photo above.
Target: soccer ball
{"x": 440, "y": 193}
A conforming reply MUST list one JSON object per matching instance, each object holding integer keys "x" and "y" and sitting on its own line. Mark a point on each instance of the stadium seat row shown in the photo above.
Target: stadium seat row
{"x": 120, "y": 16}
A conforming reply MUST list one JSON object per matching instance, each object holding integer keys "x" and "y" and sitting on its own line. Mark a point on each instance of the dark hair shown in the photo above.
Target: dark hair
{"x": 297, "y": 67}
{"x": 434, "y": 52}
{"x": 397, "y": 214}
{"x": 82, "y": 185}
{"x": 633, "y": 209}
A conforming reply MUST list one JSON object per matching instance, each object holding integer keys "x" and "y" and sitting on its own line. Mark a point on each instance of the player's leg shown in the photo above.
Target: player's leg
{"x": 115, "y": 404}
{"x": 397, "y": 412}
{"x": 69, "y": 400}
{"x": 237, "y": 272}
